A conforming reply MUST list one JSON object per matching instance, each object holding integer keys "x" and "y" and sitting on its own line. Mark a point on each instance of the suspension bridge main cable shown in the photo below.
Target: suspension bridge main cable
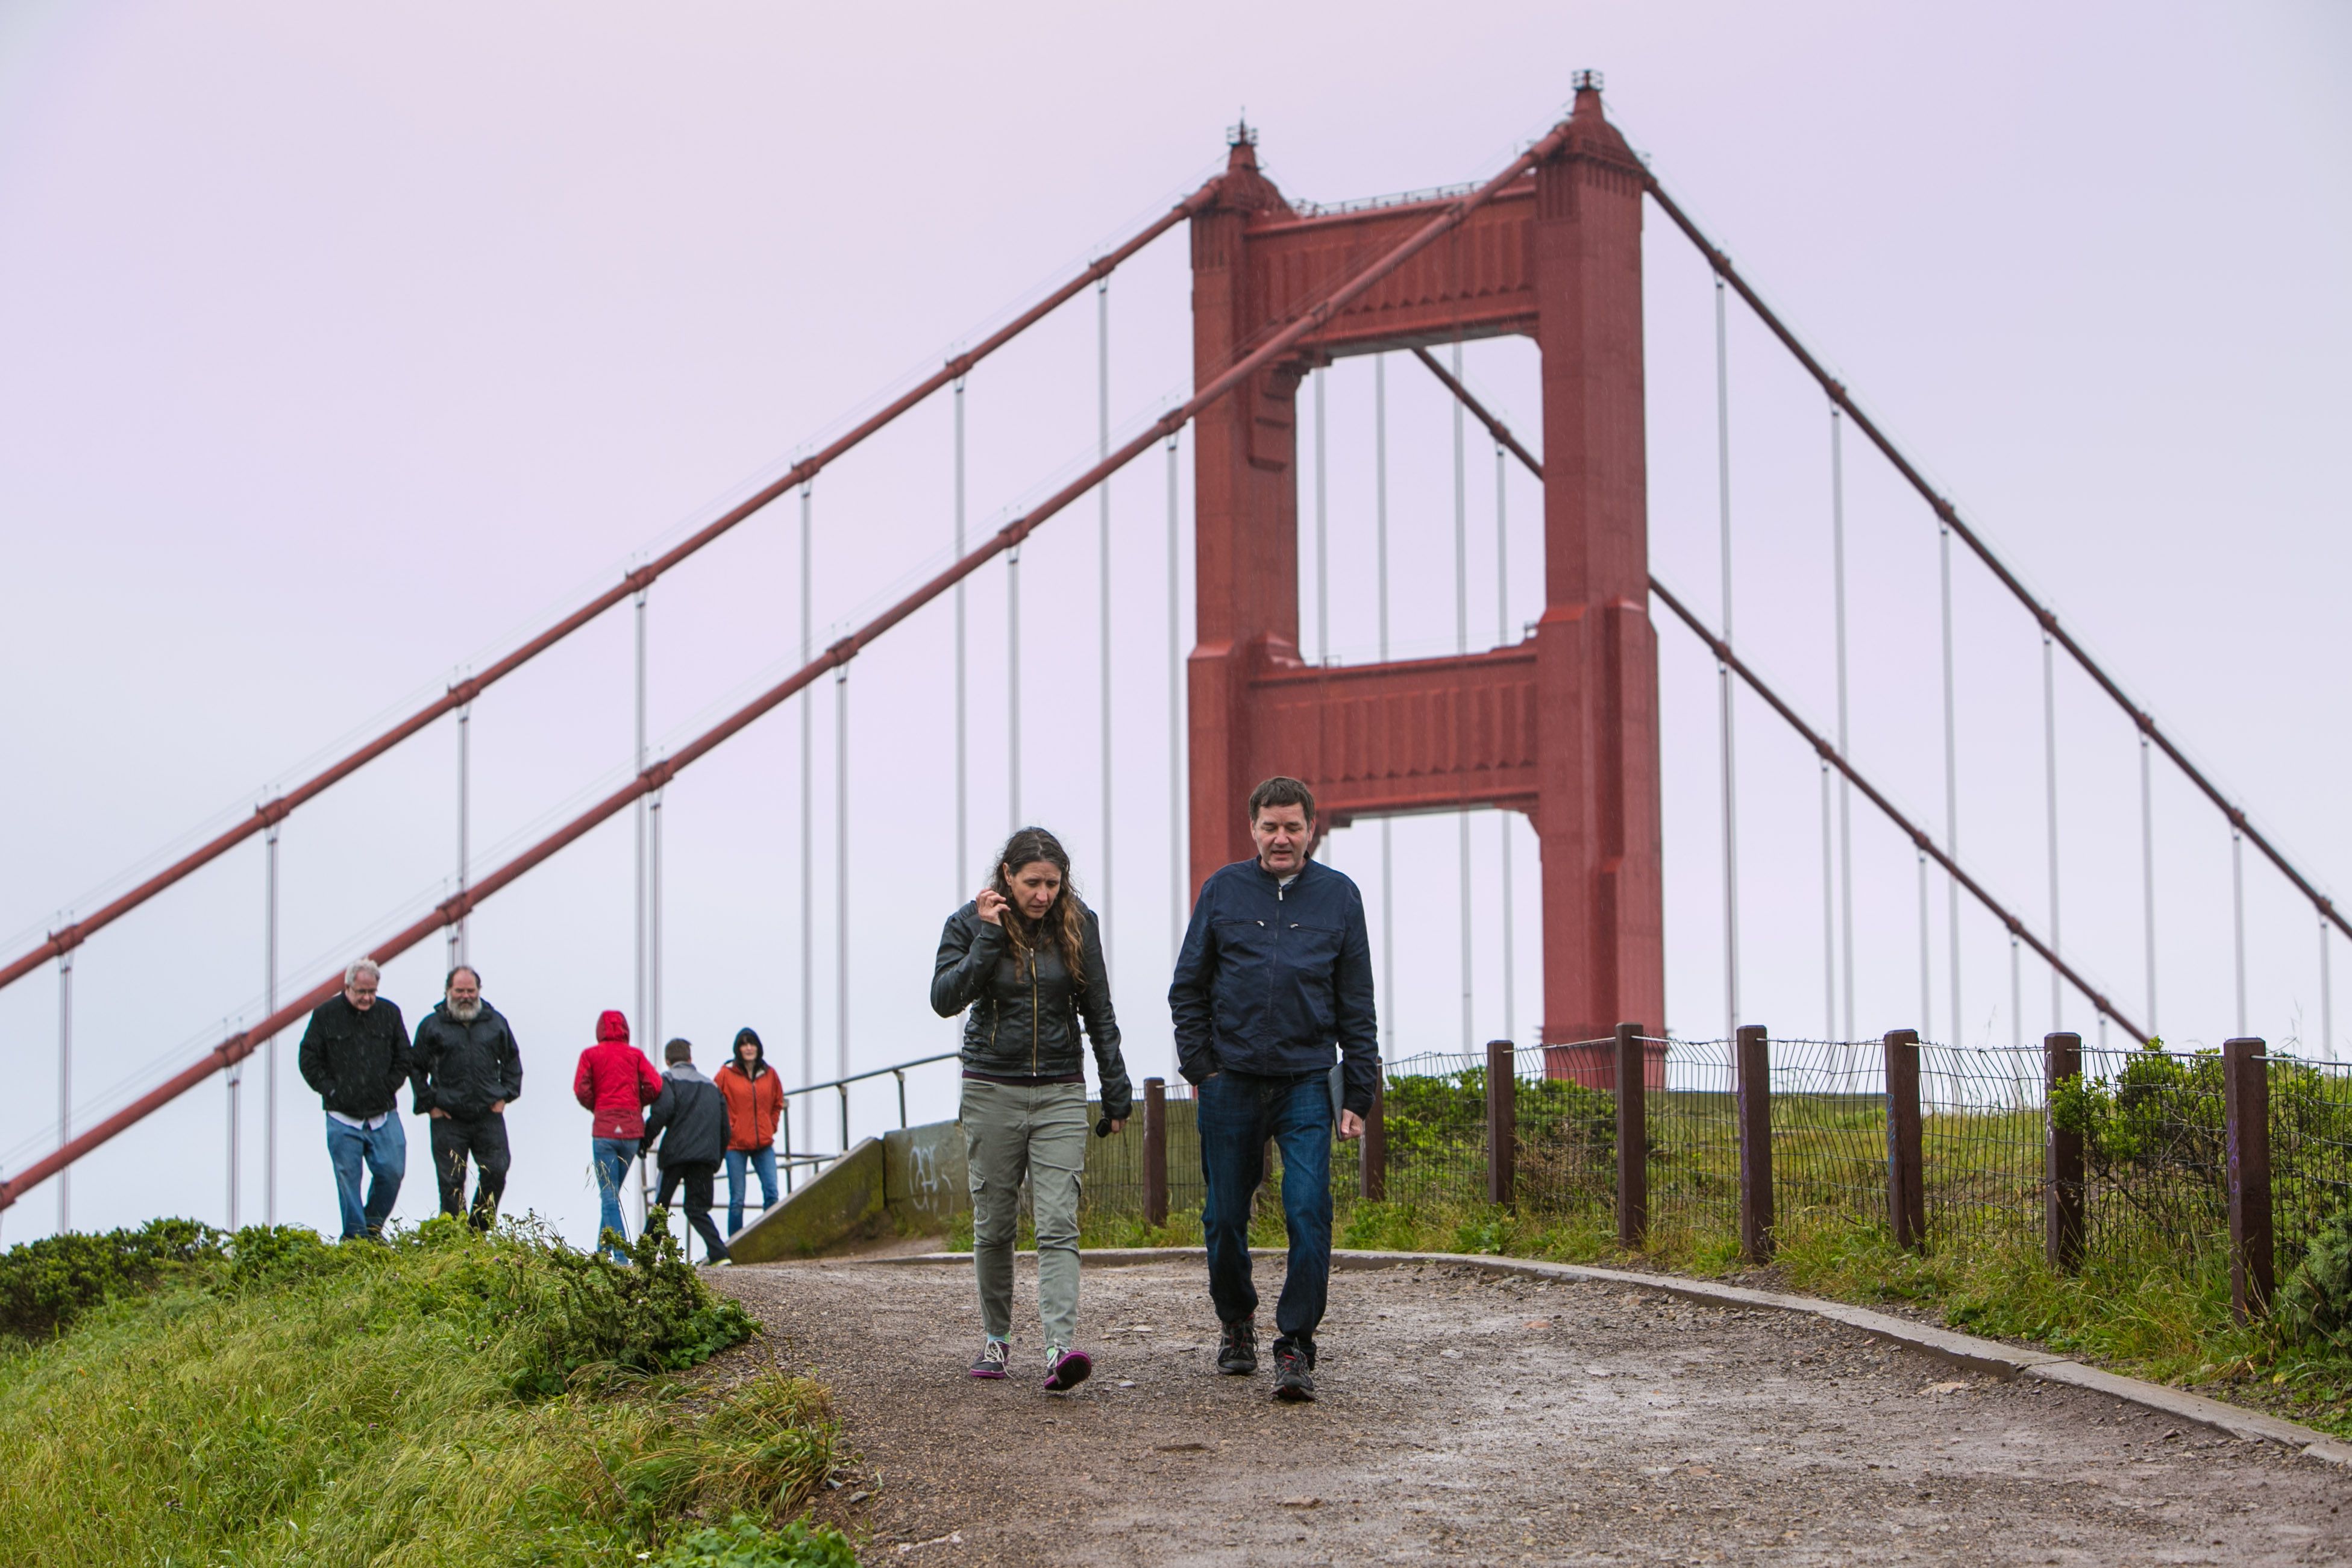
{"x": 1828, "y": 753}
{"x": 239, "y": 1045}
{"x": 1949, "y": 515}
{"x": 74, "y": 932}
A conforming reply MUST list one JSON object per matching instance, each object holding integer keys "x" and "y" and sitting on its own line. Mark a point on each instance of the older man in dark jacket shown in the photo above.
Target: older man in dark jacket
{"x": 355, "y": 1055}
{"x": 467, "y": 1067}
{"x": 1275, "y": 971}
{"x": 690, "y": 1120}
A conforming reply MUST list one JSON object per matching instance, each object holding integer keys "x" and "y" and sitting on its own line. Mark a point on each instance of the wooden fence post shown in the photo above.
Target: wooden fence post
{"x": 1907, "y": 1195}
{"x": 1155, "y": 1150}
{"x": 2246, "y": 1112}
{"x": 1375, "y": 1153}
{"x": 1633, "y": 1139}
{"x": 1502, "y": 1122}
{"x": 2063, "y": 1179}
{"x": 1752, "y": 1080}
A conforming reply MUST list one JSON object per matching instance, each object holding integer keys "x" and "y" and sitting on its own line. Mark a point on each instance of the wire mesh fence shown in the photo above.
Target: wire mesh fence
{"x": 2311, "y": 1148}
{"x": 2152, "y": 1125}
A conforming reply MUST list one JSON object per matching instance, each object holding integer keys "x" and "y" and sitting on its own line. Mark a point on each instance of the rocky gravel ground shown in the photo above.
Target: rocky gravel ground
{"x": 1471, "y": 1419}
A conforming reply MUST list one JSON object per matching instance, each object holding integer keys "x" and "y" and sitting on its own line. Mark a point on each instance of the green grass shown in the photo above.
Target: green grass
{"x": 442, "y": 1399}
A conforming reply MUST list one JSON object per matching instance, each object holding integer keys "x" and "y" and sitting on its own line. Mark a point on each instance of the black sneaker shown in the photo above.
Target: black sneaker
{"x": 1238, "y": 1349}
{"x": 991, "y": 1361}
{"x": 1294, "y": 1373}
{"x": 1064, "y": 1370}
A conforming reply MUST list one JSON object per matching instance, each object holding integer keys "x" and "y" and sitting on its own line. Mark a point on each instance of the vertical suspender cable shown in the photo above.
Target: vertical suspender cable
{"x": 457, "y": 947}
{"x": 64, "y": 1084}
{"x": 1380, "y": 569}
{"x": 963, "y": 724}
{"x": 1829, "y": 914}
{"x": 1461, "y": 646}
{"x": 1322, "y": 533}
{"x": 1013, "y": 681}
{"x": 653, "y": 928}
{"x": 1179, "y": 903}
{"x": 2237, "y": 916}
{"x": 1927, "y": 999}
{"x": 1723, "y": 674}
{"x": 1845, "y": 785}
{"x": 1502, "y": 638}
{"x": 808, "y": 815}
{"x": 1951, "y": 786}
{"x": 644, "y": 1024}
{"x": 232, "y": 1077}
{"x": 841, "y": 869}
{"x": 1102, "y": 494}
{"x": 2326, "y": 1001}
{"x": 2050, "y": 759}
{"x": 270, "y": 1060}
{"x": 2148, "y": 878}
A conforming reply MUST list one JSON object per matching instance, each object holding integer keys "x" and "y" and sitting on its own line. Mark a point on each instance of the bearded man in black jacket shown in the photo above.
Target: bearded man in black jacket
{"x": 355, "y": 1055}
{"x": 467, "y": 1067}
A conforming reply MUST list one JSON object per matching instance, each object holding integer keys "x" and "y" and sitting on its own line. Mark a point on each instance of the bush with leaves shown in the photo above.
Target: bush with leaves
{"x": 2315, "y": 1302}
{"x": 2153, "y": 1135}
{"x": 46, "y": 1285}
{"x": 744, "y": 1542}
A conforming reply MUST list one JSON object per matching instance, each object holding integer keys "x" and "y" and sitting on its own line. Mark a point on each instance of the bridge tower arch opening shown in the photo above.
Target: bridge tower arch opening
{"x": 1563, "y": 725}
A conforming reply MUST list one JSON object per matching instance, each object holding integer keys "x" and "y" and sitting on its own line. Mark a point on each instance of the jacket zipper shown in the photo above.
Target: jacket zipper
{"x": 1032, "y": 1015}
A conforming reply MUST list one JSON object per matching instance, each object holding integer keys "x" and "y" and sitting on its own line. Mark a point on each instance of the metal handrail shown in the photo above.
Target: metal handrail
{"x": 841, "y": 1085}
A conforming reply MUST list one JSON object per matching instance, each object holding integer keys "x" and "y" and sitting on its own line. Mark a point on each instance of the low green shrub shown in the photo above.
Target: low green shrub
{"x": 744, "y": 1542}
{"x": 45, "y": 1285}
{"x": 2314, "y": 1305}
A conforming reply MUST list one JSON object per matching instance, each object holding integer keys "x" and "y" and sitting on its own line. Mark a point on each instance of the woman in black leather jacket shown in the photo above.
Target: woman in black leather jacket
{"x": 1026, "y": 957}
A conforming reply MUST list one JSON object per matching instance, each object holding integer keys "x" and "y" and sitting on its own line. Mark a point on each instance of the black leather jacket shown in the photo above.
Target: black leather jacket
{"x": 1025, "y": 1017}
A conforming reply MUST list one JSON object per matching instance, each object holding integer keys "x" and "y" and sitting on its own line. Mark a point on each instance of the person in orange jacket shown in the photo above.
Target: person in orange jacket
{"x": 755, "y": 1100}
{"x": 614, "y": 1083}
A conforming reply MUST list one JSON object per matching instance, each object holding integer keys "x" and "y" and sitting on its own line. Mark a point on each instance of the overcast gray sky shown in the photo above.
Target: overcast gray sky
{"x": 339, "y": 349}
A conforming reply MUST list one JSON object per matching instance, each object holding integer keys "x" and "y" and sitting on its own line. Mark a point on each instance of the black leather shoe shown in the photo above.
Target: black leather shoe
{"x": 1293, "y": 1374}
{"x": 1238, "y": 1349}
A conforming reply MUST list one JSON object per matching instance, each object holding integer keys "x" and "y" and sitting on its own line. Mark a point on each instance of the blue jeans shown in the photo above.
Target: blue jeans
{"x": 762, "y": 1161}
{"x": 1238, "y": 1112}
{"x": 385, "y": 1151}
{"x": 611, "y": 1157}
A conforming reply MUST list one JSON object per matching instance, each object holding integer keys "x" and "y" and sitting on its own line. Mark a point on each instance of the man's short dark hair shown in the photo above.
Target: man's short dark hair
{"x": 1281, "y": 791}
{"x": 677, "y": 1051}
{"x": 451, "y": 978}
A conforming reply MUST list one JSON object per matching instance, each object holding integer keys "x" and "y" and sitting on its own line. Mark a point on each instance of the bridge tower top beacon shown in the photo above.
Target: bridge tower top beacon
{"x": 1562, "y": 726}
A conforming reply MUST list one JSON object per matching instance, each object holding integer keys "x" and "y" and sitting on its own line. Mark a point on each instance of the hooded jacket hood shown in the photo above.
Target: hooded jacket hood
{"x": 759, "y": 1053}
{"x": 612, "y": 1026}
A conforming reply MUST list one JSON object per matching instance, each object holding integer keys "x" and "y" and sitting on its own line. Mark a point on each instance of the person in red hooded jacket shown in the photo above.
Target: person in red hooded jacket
{"x": 615, "y": 1083}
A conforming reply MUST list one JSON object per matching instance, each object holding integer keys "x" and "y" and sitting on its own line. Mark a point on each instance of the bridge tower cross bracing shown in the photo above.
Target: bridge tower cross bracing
{"x": 1564, "y": 724}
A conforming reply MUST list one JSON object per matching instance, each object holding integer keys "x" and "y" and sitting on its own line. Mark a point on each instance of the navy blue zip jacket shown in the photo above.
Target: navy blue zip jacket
{"x": 1271, "y": 977}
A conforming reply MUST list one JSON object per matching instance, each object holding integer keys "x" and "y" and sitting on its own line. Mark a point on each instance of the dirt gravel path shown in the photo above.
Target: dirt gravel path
{"x": 1475, "y": 1419}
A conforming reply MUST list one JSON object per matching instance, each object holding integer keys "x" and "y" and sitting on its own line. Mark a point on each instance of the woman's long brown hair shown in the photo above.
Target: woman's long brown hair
{"x": 1025, "y": 847}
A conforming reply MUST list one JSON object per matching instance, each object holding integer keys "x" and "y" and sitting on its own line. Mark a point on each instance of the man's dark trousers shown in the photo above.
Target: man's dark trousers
{"x": 697, "y": 1175}
{"x": 1238, "y": 1112}
{"x": 484, "y": 1139}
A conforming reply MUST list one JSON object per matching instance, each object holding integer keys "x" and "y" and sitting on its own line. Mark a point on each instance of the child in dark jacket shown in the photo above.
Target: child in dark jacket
{"x": 690, "y": 1119}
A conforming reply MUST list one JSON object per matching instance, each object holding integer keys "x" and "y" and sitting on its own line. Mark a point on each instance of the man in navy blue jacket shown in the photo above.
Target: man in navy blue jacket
{"x": 1276, "y": 969}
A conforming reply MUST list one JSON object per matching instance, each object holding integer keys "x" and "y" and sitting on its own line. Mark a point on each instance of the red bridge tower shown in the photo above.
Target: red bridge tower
{"x": 1563, "y": 726}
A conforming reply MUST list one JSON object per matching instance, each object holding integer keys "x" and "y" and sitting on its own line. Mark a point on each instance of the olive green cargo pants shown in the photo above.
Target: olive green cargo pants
{"x": 1037, "y": 1131}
